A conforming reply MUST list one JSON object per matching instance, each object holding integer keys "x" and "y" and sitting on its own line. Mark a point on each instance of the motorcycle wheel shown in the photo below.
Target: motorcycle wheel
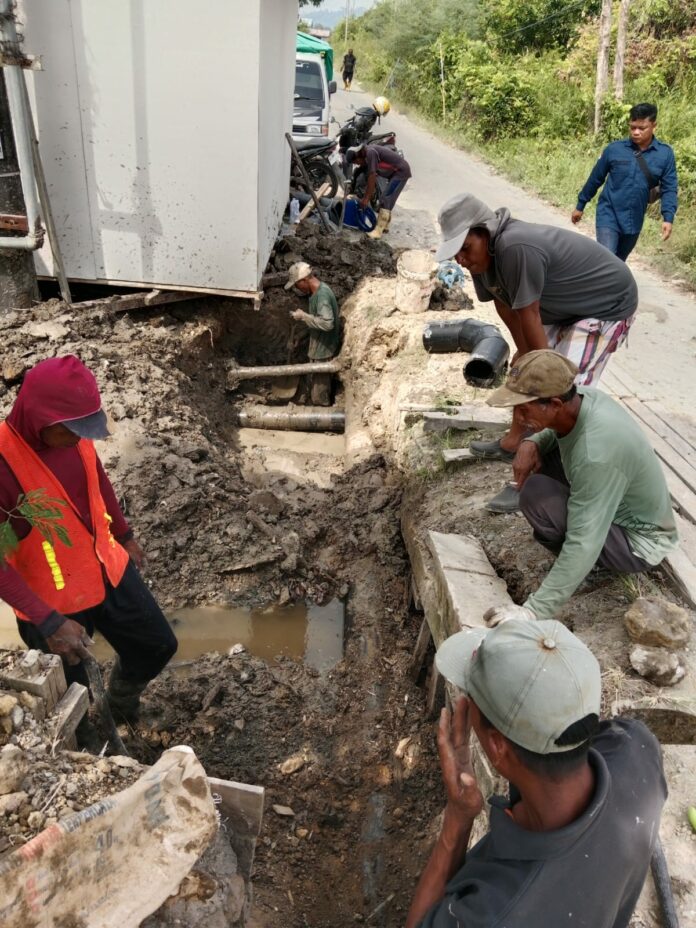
{"x": 320, "y": 172}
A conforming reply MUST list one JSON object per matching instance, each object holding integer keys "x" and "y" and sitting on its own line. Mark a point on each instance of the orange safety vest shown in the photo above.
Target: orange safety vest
{"x": 69, "y": 579}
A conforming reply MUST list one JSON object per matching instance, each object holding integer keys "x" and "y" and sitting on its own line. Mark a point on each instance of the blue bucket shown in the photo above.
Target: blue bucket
{"x": 355, "y": 217}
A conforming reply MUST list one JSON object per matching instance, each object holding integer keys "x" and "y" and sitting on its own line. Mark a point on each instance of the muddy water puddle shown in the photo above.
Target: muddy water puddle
{"x": 313, "y": 634}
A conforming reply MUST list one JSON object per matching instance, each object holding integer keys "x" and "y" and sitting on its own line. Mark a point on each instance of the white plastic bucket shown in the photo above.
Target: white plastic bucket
{"x": 415, "y": 281}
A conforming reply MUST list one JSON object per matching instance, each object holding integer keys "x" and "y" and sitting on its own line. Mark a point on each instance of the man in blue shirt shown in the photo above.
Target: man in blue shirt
{"x": 625, "y": 196}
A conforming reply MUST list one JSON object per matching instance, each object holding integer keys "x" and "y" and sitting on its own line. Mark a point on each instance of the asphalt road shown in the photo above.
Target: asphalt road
{"x": 662, "y": 345}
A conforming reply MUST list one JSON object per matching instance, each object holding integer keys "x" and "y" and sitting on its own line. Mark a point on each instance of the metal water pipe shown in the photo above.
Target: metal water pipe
{"x": 20, "y": 116}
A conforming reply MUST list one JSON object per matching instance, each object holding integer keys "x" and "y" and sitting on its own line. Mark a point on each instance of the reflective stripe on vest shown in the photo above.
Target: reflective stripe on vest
{"x": 69, "y": 579}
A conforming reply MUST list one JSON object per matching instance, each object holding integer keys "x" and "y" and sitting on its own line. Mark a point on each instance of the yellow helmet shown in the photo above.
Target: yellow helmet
{"x": 382, "y": 105}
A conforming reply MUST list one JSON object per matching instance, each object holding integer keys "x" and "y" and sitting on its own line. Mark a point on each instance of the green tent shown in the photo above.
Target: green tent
{"x": 309, "y": 45}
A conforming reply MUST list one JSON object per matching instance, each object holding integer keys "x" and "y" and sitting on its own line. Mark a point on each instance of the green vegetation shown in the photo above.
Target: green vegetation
{"x": 514, "y": 80}
{"x": 42, "y": 512}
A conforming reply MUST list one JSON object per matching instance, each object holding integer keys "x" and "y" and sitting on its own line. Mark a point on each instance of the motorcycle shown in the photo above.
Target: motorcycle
{"x": 315, "y": 154}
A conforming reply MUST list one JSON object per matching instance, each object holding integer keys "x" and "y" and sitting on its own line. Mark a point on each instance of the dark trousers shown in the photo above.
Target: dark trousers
{"x": 544, "y": 504}
{"x": 393, "y": 191}
{"x": 132, "y": 623}
{"x": 618, "y": 243}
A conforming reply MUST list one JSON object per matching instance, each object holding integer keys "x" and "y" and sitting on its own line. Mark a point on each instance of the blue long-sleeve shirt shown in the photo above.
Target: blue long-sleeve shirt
{"x": 624, "y": 199}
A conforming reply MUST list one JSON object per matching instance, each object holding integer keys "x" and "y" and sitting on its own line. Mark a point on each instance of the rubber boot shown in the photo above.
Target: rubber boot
{"x": 88, "y": 737}
{"x": 123, "y": 695}
{"x": 389, "y": 219}
{"x": 382, "y": 222}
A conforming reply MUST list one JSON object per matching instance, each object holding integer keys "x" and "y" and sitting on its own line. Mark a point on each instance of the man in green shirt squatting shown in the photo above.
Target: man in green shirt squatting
{"x": 322, "y": 320}
{"x": 590, "y": 484}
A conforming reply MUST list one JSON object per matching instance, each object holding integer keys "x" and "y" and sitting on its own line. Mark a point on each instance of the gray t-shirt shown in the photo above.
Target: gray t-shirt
{"x": 586, "y": 875}
{"x": 571, "y": 275}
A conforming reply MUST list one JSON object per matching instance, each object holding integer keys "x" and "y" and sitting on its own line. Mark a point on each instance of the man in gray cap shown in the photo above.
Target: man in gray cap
{"x": 591, "y": 486}
{"x": 572, "y": 843}
{"x": 551, "y": 287}
{"x": 323, "y": 321}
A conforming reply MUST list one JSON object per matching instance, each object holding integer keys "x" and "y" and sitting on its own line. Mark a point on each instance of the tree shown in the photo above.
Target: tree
{"x": 602, "y": 62}
{"x": 621, "y": 49}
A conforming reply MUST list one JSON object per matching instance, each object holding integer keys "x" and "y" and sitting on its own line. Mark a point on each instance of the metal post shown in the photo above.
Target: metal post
{"x": 305, "y": 176}
{"x": 18, "y": 286}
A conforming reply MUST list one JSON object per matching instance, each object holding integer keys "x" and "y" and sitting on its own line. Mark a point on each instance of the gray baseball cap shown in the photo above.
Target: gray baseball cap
{"x": 457, "y": 217}
{"x": 94, "y": 426}
{"x": 532, "y": 680}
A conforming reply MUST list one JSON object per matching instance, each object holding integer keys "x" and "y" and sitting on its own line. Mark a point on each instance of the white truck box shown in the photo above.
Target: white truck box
{"x": 161, "y": 127}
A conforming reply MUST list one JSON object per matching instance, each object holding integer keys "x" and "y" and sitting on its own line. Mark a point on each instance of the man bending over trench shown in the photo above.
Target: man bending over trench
{"x": 571, "y": 845}
{"x": 590, "y": 484}
{"x": 551, "y": 287}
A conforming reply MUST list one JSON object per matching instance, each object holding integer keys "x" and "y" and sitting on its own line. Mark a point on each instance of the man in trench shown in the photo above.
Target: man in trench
{"x": 551, "y": 287}
{"x": 571, "y": 842}
{"x": 591, "y": 486}
{"x": 323, "y": 321}
{"x": 62, "y": 592}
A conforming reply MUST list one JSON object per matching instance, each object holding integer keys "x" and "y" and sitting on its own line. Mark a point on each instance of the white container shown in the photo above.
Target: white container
{"x": 415, "y": 281}
{"x": 161, "y": 128}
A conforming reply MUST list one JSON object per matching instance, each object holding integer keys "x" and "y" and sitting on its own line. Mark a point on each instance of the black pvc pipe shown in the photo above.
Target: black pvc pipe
{"x": 488, "y": 349}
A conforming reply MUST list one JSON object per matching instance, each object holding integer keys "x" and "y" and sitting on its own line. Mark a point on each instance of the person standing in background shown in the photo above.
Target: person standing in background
{"x": 635, "y": 172}
{"x": 349, "y": 61}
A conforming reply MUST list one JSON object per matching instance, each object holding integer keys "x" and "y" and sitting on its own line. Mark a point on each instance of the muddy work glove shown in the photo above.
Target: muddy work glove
{"x": 498, "y": 614}
{"x": 70, "y": 641}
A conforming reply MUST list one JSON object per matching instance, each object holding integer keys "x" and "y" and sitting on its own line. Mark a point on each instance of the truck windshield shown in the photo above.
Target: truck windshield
{"x": 308, "y": 82}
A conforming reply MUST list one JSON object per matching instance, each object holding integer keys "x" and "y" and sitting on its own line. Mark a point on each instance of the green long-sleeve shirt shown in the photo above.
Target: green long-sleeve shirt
{"x": 614, "y": 477}
{"x": 323, "y": 322}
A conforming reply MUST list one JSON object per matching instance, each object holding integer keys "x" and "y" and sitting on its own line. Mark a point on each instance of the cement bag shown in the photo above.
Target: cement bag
{"x": 415, "y": 281}
{"x": 115, "y": 862}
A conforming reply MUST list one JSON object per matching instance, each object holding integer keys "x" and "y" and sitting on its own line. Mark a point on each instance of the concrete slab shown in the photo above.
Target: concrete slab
{"x": 475, "y": 416}
{"x": 459, "y": 552}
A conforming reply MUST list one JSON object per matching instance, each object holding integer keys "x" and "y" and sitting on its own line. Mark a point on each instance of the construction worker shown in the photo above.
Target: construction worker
{"x": 590, "y": 484}
{"x": 323, "y": 322}
{"x": 349, "y": 61}
{"x": 551, "y": 287}
{"x": 62, "y": 592}
{"x": 570, "y": 843}
{"x": 381, "y": 162}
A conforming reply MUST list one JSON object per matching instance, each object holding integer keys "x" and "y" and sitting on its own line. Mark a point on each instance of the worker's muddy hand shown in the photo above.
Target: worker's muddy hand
{"x": 453, "y": 737}
{"x": 496, "y": 615}
{"x": 70, "y": 641}
{"x": 135, "y": 552}
{"x": 527, "y": 462}
{"x": 298, "y": 314}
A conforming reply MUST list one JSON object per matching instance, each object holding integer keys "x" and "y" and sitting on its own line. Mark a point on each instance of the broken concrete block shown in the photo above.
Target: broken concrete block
{"x": 657, "y": 623}
{"x": 13, "y": 768}
{"x": 659, "y": 666}
{"x": 7, "y": 704}
{"x": 11, "y": 802}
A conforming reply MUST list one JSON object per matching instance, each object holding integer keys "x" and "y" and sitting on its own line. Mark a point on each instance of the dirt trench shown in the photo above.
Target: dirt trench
{"x": 324, "y": 745}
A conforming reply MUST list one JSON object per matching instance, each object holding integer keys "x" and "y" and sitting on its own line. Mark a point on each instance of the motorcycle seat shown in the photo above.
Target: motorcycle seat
{"x": 313, "y": 144}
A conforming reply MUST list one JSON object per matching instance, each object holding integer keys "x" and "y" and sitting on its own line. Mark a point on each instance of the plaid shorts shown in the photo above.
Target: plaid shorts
{"x": 589, "y": 344}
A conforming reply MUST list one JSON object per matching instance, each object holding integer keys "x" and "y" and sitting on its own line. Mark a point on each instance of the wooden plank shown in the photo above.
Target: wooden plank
{"x": 308, "y": 207}
{"x": 627, "y": 383}
{"x": 680, "y": 425}
{"x": 671, "y": 447}
{"x": 420, "y": 650}
{"x": 681, "y": 564}
{"x": 435, "y": 695}
{"x": 682, "y": 497}
{"x": 69, "y": 711}
{"x": 476, "y": 416}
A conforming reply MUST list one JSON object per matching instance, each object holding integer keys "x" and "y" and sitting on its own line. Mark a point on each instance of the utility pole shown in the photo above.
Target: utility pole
{"x": 621, "y": 49}
{"x": 18, "y": 286}
{"x": 602, "y": 62}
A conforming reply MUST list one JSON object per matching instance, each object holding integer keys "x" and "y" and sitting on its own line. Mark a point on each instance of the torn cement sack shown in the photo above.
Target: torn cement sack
{"x": 115, "y": 862}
